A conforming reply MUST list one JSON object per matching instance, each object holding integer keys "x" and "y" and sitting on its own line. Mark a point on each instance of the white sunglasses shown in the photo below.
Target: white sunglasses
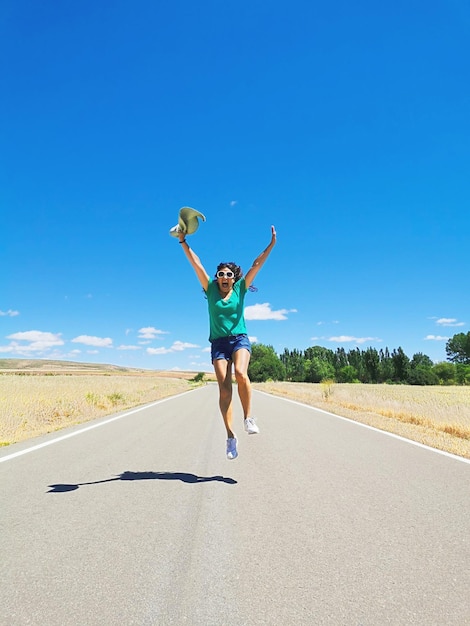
{"x": 222, "y": 274}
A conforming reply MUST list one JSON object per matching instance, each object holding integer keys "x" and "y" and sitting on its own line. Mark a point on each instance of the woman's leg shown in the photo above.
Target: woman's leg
{"x": 223, "y": 372}
{"x": 241, "y": 360}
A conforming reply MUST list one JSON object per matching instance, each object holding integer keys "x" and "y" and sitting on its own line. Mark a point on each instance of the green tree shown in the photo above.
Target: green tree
{"x": 421, "y": 359}
{"x": 318, "y": 370}
{"x": 265, "y": 364}
{"x": 347, "y": 374}
{"x": 401, "y": 364}
{"x": 341, "y": 359}
{"x": 325, "y": 354}
{"x": 294, "y": 364}
{"x": 371, "y": 361}
{"x": 458, "y": 348}
{"x": 199, "y": 378}
{"x": 445, "y": 372}
{"x": 422, "y": 375}
{"x": 421, "y": 372}
{"x": 387, "y": 369}
{"x": 355, "y": 359}
{"x": 319, "y": 364}
{"x": 462, "y": 374}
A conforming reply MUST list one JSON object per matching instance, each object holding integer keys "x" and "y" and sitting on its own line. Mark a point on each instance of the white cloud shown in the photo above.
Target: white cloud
{"x": 233, "y": 202}
{"x": 99, "y": 342}
{"x": 207, "y": 349}
{"x": 159, "y": 350}
{"x": 348, "y": 339}
{"x": 37, "y": 335}
{"x": 37, "y": 341}
{"x": 177, "y": 346}
{"x": 181, "y": 345}
{"x": 200, "y": 365}
{"x": 252, "y": 339}
{"x": 123, "y": 347}
{"x": 149, "y": 332}
{"x": 11, "y": 348}
{"x": 449, "y": 321}
{"x": 435, "y": 338}
{"x": 9, "y": 313}
{"x": 264, "y": 312}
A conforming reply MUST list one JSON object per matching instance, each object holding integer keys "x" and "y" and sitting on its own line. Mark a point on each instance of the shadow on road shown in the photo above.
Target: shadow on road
{"x": 182, "y": 476}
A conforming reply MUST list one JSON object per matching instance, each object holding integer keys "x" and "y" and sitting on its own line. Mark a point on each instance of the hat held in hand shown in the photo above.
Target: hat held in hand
{"x": 188, "y": 222}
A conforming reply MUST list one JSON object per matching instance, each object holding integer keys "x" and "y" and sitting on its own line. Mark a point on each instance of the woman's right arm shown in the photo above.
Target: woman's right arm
{"x": 195, "y": 261}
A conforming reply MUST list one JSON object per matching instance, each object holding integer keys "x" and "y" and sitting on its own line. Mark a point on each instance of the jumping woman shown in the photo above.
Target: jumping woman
{"x": 228, "y": 336}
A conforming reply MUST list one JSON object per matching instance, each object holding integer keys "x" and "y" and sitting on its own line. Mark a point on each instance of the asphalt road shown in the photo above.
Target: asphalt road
{"x": 142, "y": 520}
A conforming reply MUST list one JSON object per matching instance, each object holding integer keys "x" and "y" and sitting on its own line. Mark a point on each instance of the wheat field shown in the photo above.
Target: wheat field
{"x": 437, "y": 416}
{"x": 32, "y": 405}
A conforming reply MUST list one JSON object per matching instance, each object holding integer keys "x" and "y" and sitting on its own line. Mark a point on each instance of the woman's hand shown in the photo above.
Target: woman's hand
{"x": 273, "y": 236}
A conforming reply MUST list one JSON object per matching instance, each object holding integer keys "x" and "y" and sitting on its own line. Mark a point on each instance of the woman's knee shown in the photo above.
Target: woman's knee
{"x": 241, "y": 376}
{"x": 225, "y": 390}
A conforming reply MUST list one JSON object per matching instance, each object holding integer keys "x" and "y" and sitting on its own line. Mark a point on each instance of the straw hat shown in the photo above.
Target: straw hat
{"x": 188, "y": 222}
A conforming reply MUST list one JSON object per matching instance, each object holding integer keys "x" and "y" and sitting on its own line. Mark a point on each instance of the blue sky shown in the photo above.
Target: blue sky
{"x": 346, "y": 125}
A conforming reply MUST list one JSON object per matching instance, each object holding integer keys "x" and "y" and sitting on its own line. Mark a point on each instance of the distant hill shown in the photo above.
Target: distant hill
{"x": 44, "y": 367}
{"x": 40, "y": 365}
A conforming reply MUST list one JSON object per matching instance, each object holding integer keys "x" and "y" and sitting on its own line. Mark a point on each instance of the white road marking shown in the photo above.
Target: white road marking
{"x": 87, "y": 428}
{"x": 142, "y": 408}
{"x": 378, "y": 430}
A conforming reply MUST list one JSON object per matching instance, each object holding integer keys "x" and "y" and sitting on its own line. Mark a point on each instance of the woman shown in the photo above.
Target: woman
{"x": 228, "y": 337}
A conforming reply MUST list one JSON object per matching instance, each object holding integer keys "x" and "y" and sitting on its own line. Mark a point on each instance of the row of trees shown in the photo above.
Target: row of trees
{"x": 367, "y": 366}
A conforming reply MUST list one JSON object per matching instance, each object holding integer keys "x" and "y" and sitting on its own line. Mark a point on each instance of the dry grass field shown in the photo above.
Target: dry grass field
{"x": 435, "y": 416}
{"x": 39, "y": 402}
{"x": 36, "y": 399}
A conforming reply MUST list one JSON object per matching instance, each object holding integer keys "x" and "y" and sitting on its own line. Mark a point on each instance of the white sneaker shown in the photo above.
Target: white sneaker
{"x": 232, "y": 451}
{"x": 250, "y": 426}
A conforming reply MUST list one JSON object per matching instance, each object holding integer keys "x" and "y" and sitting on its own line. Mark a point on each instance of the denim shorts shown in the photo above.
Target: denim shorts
{"x": 224, "y": 347}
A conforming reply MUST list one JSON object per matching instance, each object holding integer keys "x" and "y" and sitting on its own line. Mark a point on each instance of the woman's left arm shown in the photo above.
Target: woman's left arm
{"x": 259, "y": 261}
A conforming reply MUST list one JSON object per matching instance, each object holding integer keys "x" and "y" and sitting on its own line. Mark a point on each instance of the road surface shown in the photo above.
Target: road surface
{"x": 141, "y": 520}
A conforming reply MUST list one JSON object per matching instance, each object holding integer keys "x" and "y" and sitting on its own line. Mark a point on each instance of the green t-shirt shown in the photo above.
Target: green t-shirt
{"x": 226, "y": 317}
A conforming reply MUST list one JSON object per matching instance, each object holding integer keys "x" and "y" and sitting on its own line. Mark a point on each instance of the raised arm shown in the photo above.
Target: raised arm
{"x": 259, "y": 261}
{"x": 195, "y": 261}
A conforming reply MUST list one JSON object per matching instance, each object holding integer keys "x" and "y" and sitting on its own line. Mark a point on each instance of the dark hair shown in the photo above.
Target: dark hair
{"x": 237, "y": 271}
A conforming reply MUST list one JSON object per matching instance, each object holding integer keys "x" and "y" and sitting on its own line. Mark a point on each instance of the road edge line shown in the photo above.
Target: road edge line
{"x": 14, "y": 455}
{"x": 456, "y": 457}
